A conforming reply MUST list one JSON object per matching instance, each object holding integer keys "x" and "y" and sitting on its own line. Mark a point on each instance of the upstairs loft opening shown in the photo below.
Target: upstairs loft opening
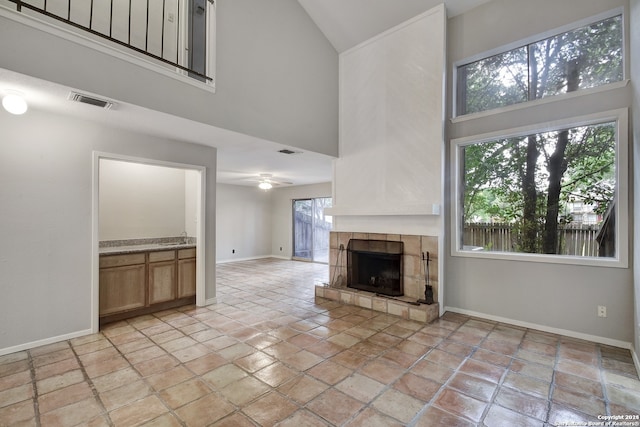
{"x": 174, "y": 34}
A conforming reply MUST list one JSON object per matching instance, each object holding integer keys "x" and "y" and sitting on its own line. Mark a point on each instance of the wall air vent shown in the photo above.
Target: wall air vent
{"x": 287, "y": 151}
{"x": 86, "y": 99}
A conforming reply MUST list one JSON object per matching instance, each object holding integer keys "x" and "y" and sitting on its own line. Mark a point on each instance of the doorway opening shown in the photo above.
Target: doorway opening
{"x": 311, "y": 229}
{"x": 140, "y": 206}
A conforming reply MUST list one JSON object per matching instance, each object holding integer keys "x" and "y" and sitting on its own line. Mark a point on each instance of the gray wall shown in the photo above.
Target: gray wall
{"x": 554, "y": 296}
{"x": 46, "y": 194}
{"x": 277, "y": 75}
{"x": 634, "y": 21}
{"x": 243, "y": 221}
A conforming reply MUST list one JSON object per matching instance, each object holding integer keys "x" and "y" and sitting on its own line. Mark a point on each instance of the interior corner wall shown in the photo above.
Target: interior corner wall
{"x": 282, "y": 214}
{"x": 243, "y": 221}
{"x": 558, "y": 297}
{"x": 276, "y": 74}
{"x": 46, "y": 174}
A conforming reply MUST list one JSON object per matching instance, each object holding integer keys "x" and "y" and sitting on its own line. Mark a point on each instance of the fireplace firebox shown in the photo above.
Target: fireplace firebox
{"x": 375, "y": 266}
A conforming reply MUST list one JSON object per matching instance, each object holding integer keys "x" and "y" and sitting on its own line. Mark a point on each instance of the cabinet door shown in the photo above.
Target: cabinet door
{"x": 122, "y": 288}
{"x": 162, "y": 281}
{"x": 186, "y": 277}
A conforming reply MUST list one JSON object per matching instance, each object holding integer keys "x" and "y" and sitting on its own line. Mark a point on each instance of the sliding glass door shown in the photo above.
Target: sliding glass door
{"x": 311, "y": 229}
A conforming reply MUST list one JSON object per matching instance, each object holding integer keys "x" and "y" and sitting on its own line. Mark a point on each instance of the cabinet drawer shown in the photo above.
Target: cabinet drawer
{"x": 162, "y": 256}
{"x": 120, "y": 260}
{"x": 187, "y": 253}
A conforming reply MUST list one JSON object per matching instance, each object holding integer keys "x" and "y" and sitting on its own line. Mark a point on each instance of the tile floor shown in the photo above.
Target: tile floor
{"x": 268, "y": 353}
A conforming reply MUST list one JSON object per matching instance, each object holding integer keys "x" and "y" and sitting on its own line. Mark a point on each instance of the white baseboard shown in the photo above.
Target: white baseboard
{"x": 34, "y": 344}
{"x": 634, "y": 355}
{"x": 210, "y": 301}
{"x": 225, "y": 261}
{"x": 558, "y": 331}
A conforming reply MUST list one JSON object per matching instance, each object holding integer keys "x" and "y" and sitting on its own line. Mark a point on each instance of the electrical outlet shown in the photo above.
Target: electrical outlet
{"x": 341, "y": 247}
{"x": 602, "y": 311}
{"x": 233, "y": 251}
{"x": 280, "y": 248}
{"x": 171, "y": 17}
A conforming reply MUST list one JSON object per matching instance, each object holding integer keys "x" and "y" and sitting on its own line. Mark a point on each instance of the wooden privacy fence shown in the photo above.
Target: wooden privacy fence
{"x": 574, "y": 239}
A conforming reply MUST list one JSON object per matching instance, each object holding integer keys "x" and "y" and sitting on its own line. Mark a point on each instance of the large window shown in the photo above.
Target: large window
{"x": 554, "y": 191}
{"x": 583, "y": 58}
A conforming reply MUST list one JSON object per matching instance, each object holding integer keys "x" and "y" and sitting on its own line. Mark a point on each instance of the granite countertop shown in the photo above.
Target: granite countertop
{"x": 119, "y": 247}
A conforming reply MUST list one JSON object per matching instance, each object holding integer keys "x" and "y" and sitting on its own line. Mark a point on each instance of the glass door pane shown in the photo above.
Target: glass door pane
{"x": 311, "y": 229}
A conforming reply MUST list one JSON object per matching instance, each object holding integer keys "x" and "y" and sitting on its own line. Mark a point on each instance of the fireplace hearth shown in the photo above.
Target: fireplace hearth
{"x": 375, "y": 266}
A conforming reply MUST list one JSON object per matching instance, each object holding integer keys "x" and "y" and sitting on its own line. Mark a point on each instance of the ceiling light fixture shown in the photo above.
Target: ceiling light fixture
{"x": 15, "y": 104}
{"x": 265, "y": 185}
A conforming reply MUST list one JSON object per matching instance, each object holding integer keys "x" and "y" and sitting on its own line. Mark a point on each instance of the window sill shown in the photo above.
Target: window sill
{"x": 541, "y": 258}
{"x": 538, "y": 102}
{"x": 101, "y": 46}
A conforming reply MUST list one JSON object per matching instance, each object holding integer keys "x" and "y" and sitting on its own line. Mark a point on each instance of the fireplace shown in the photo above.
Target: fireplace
{"x": 375, "y": 266}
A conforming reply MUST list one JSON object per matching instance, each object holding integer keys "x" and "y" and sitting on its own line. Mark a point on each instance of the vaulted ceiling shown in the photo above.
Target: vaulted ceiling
{"x": 347, "y": 23}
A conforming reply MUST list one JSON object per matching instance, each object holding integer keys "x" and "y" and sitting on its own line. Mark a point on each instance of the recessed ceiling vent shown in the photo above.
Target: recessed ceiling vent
{"x": 287, "y": 151}
{"x": 86, "y": 99}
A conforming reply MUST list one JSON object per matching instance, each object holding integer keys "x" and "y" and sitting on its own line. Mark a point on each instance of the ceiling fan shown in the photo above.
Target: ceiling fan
{"x": 266, "y": 181}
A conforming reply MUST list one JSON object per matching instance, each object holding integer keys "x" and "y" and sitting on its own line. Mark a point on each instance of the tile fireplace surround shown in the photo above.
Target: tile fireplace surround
{"x": 413, "y": 276}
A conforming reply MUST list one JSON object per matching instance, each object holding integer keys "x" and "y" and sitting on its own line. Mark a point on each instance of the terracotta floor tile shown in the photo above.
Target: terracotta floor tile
{"x": 535, "y": 370}
{"x": 381, "y": 371}
{"x": 138, "y": 412}
{"x": 522, "y": 403}
{"x": 325, "y": 349}
{"x": 434, "y": 417}
{"x": 399, "y": 358}
{"x": 205, "y": 363}
{"x": 414, "y": 348}
{"x": 418, "y": 387}
{"x": 442, "y": 358}
{"x": 22, "y": 412}
{"x": 73, "y": 414}
{"x": 166, "y": 379}
{"x": 586, "y": 357}
{"x": 350, "y": 359}
{"x": 124, "y": 395}
{"x": 432, "y": 371}
{"x": 384, "y": 340}
{"x": 360, "y": 387}
{"x": 537, "y": 347}
{"x": 624, "y": 397}
{"x": 52, "y": 357}
{"x": 466, "y": 338}
{"x": 220, "y": 342}
{"x": 527, "y": 385}
{"x": 63, "y": 397}
{"x": 473, "y": 386}
{"x": 398, "y": 405}
{"x": 329, "y": 372}
{"x": 17, "y": 379}
{"x": 582, "y": 385}
{"x": 193, "y": 352}
{"x": 302, "y": 388}
{"x": 224, "y": 375}
{"x": 155, "y": 365}
{"x": 236, "y": 351}
{"x": 483, "y": 370}
{"x": 254, "y": 362}
{"x": 14, "y": 367}
{"x": 461, "y": 405}
{"x": 344, "y": 339}
{"x": 499, "y": 416}
{"x": 165, "y": 420}
{"x": 578, "y": 369}
{"x": 48, "y": 349}
{"x": 236, "y": 419}
{"x": 276, "y": 374}
{"x": 183, "y": 393}
{"x": 14, "y": 357}
{"x": 541, "y": 359}
{"x": 59, "y": 381}
{"x": 115, "y": 379}
{"x": 560, "y": 415}
{"x": 457, "y": 348}
{"x": 243, "y": 391}
{"x": 372, "y": 418}
{"x": 590, "y": 405}
{"x": 105, "y": 367}
{"x": 301, "y": 418}
{"x": 92, "y": 346}
{"x": 334, "y": 406}
{"x": 506, "y": 348}
{"x": 302, "y": 360}
{"x": 492, "y": 358}
{"x": 270, "y": 409}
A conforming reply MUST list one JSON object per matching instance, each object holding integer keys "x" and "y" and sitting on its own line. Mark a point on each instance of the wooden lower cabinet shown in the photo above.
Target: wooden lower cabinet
{"x": 122, "y": 288}
{"x": 140, "y": 283}
{"x": 186, "y": 277}
{"x": 162, "y": 281}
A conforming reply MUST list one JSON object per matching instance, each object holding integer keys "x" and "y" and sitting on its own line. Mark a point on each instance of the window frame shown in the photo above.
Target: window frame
{"x": 533, "y": 39}
{"x": 621, "y": 260}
